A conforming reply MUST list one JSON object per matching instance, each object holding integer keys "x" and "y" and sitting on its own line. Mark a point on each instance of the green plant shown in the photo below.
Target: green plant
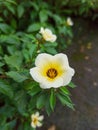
{"x": 20, "y": 43}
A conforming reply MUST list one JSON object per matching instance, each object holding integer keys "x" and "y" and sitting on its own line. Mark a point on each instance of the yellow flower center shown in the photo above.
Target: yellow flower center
{"x": 46, "y": 35}
{"x": 52, "y": 73}
{"x": 35, "y": 120}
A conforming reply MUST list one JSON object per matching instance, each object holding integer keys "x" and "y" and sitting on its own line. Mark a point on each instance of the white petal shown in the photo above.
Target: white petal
{"x": 48, "y": 31}
{"x": 39, "y": 124}
{"x": 53, "y": 39}
{"x": 40, "y": 118}
{"x": 62, "y": 59}
{"x": 33, "y": 125}
{"x": 68, "y": 76}
{"x": 69, "y": 21}
{"x": 41, "y": 30}
{"x": 35, "y": 73}
{"x": 49, "y": 84}
{"x": 37, "y": 114}
{"x": 42, "y": 59}
{"x": 32, "y": 116}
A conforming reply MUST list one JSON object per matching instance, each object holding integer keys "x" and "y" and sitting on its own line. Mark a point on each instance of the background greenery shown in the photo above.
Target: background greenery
{"x": 20, "y": 22}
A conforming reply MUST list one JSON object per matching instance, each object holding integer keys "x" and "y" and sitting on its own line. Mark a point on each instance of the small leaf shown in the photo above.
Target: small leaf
{"x": 20, "y": 11}
{"x": 17, "y": 76}
{"x": 33, "y": 89}
{"x": 43, "y": 16}
{"x": 65, "y": 100}
{"x": 51, "y": 50}
{"x": 6, "y": 89}
{"x": 41, "y": 101}
{"x": 72, "y": 85}
{"x": 47, "y": 106}
{"x": 6, "y": 28}
{"x": 52, "y": 99}
{"x": 14, "y": 60}
{"x": 32, "y": 49}
{"x": 20, "y": 100}
{"x": 65, "y": 90}
{"x": 34, "y": 27}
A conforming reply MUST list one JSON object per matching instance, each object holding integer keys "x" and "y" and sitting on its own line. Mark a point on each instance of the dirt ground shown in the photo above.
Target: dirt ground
{"x": 83, "y": 57}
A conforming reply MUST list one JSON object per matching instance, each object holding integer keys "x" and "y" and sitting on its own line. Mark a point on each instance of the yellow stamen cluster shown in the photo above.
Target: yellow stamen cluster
{"x": 52, "y": 73}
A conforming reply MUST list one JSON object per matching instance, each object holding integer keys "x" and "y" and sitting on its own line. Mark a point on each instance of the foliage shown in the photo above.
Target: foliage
{"x": 84, "y": 8}
{"x": 20, "y": 43}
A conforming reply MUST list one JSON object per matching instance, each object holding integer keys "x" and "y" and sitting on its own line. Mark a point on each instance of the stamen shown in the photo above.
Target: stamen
{"x": 52, "y": 73}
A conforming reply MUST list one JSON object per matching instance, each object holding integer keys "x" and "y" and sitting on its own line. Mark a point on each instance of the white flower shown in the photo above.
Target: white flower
{"x": 69, "y": 21}
{"x": 48, "y": 35}
{"x": 36, "y": 120}
{"x": 52, "y": 71}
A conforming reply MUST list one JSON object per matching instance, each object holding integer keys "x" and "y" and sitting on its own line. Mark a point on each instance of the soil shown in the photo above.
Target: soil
{"x": 83, "y": 54}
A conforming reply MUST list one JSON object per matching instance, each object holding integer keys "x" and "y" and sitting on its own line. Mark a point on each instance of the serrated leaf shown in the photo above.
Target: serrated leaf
{"x": 18, "y": 77}
{"x": 6, "y": 89}
{"x": 52, "y": 99}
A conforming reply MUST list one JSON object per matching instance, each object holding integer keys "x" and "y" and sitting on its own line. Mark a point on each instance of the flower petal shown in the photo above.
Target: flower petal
{"x": 33, "y": 125}
{"x": 62, "y": 59}
{"x": 39, "y": 124}
{"x": 48, "y": 31}
{"x": 40, "y": 118}
{"x": 36, "y": 75}
{"x": 53, "y": 39}
{"x": 37, "y": 114}
{"x": 42, "y": 59}
{"x": 68, "y": 76}
{"x": 41, "y": 30}
{"x": 49, "y": 84}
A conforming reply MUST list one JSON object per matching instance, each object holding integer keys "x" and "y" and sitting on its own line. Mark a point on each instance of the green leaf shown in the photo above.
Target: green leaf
{"x": 1, "y": 64}
{"x": 51, "y": 50}
{"x": 20, "y": 11}
{"x": 32, "y": 103}
{"x": 43, "y": 15}
{"x": 65, "y": 100}
{"x": 32, "y": 48}
{"x": 47, "y": 106}
{"x": 41, "y": 100}
{"x": 20, "y": 100}
{"x": 52, "y": 99}
{"x": 14, "y": 60}
{"x": 10, "y": 8}
{"x": 34, "y": 27}
{"x": 12, "y": 39}
{"x": 33, "y": 88}
{"x": 18, "y": 77}
{"x": 65, "y": 90}
{"x": 72, "y": 85}
{"x": 6, "y": 89}
{"x": 6, "y": 28}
